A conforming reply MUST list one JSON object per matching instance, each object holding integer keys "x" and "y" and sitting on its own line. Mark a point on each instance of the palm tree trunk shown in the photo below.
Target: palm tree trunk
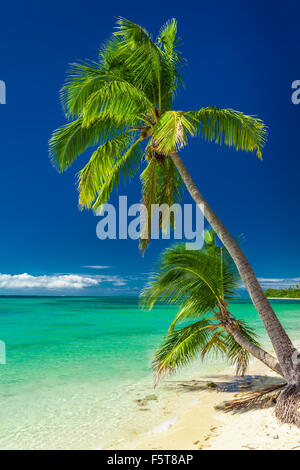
{"x": 256, "y": 351}
{"x": 288, "y": 405}
{"x": 282, "y": 344}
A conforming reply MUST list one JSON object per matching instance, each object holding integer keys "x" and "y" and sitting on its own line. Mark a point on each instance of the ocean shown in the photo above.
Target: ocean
{"x": 76, "y": 366}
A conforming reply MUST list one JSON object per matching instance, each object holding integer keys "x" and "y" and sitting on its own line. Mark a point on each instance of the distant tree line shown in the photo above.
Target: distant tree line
{"x": 290, "y": 292}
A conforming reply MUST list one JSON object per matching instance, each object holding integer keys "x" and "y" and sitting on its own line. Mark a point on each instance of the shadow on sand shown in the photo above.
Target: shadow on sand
{"x": 244, "y": 387}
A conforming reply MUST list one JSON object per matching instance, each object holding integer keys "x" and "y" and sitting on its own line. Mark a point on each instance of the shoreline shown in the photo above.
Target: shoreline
{"x": 283, "y": 298}
{"x": 203, "y": 427}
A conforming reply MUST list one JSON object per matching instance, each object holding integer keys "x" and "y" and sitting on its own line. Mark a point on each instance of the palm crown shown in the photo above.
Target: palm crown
{"x": 122, "y": 105}
{"x": 201, "y": 282}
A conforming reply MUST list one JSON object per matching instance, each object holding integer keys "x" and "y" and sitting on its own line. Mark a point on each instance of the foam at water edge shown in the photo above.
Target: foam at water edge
{"x": 164, "y": 426}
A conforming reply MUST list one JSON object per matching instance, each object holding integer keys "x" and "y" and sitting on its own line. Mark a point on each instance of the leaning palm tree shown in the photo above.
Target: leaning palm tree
{"x": 123, "y": 105}
{"x": 202, "y": 283}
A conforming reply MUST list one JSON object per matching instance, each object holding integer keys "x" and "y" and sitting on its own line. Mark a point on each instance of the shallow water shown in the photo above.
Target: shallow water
{"x": 75, "y": 367}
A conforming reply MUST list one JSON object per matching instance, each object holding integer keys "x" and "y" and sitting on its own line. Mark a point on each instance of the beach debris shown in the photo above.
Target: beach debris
{"x": 141, "y": 402}
{"x": 196, "y": 442}
{"x": 144, "y": 409}
{"x": 262, "y": 398}
{"x": 221, "y": 406}
{"x": 247, "y": 383}
{"x": 211, "y": 385}
{"x": 151, "y": 397}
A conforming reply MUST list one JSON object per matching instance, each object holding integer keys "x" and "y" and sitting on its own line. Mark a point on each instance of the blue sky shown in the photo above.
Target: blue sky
{"x": 242, "y": 55}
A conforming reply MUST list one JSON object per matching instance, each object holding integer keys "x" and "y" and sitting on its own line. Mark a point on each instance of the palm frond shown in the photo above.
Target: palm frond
{"x": 119, "y": 57}
{"x": 181, "y": 346}
{"x": 231, "y": 127}
{"x": 170, "y": 43}
{"x": 161, "y": 186}
{"x": 118, "y": 99}
{"x": 111, "y": 56}
{"x": 210, "y": 238}
{"x": 149, "y": 179}
{"x": 216, "y": 345}
{"x": 191, "y": 279}
{"x": 204, "y": 337}
{"x": 262, "y": 398}
{"x": 72, "y": 139}
{"x": 100, "y": 166}
{"x": 172, "y": 130}
{"x": 144, "y": 58}
{"x": 236, "y": 354}
{"x": 83, "y": 79}
{"x": 153, "y": 67}
{"x": 125, "y": 167}
{"x": 129, "y": 90}
{"x": 134, "y": 34}
{"x": 170, "y": 185}
{"x": 168, "y": 38}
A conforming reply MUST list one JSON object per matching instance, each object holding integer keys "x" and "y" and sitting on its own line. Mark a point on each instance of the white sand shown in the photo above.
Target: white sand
{"x": 203, "y": 427}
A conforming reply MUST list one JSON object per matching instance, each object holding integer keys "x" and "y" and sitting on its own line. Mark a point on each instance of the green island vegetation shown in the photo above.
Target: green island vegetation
{"x": 292, "y": 292}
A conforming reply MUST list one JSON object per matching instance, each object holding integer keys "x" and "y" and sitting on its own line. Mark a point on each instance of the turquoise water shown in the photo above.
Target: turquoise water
{"x": 75, "y": 367}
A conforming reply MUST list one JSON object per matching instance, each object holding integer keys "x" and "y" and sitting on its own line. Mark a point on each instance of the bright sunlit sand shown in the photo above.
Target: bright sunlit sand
{"x": 204, "y": 427}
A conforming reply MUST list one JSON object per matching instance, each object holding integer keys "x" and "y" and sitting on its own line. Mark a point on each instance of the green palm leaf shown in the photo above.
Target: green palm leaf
{"x": 233, "y": 128}
{"x": 181, "y": 346}
{"x": 82, "y": 81}
{"x": 127, "y": 167}
{"x": 150, "y": 183}
{"x": 100, "y": 167}
{"x": 195, "y": 279}
{"x": 169, "y": 41}
{"x": 131, "y": 90}
{"x": 168, "y": 38}
{"x": 237, "y": 355}
{"x": 118, "y": 99}
{"x": 199, "y": 339}
{"x": 201, "y": 282}
{"x": 170, "y": 133}
{"x": 72, "y": 139}
{"x": 161, "y": 185}
{"x": 150, "y": 64}
{"x": 171, "y": 184}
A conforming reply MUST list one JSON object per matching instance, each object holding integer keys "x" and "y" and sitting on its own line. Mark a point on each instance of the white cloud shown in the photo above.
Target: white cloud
{"x": 278, "y": 283}
{"x": 96, "y": 267}
{"x": 56, "y": 282}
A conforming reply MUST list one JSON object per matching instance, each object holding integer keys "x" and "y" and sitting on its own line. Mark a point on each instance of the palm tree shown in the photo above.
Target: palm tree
{"x": 123, "y": 105}
{"x": 202, "y": 283}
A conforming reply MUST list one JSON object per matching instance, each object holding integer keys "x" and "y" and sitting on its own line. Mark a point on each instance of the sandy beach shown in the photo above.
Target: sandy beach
{"x": 204, "y": 427}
